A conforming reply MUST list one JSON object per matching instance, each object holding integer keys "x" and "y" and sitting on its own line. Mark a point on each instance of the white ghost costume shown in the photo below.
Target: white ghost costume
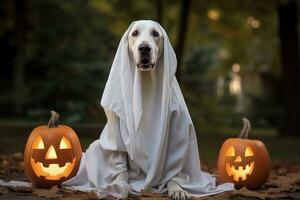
{"x": 149, "y": 138}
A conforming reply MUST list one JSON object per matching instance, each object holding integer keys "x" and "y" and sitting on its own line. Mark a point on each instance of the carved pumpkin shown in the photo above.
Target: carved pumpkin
{"x": 52, "y": 154}
{"x": 243, "y": 161}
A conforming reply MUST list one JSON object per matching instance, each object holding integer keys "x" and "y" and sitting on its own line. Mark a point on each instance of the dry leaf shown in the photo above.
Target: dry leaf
{"x": 17, "y": 156}
{"x": 282, "y": 195}
{"x": 3, "y": 190}
{"x": 20, "y": 189}
{"x": 92, "y": 195}
{"x": 295, "y": 195}
{"x": 71, "y": 198}
{"x": 282, "y": 171}
{"x": 248, "y": 193}
{"x": 48, "y": 193}
{"x": 220, "y": 196}
{"x": 147, "y": 193}
{"x": 154, "y": 198}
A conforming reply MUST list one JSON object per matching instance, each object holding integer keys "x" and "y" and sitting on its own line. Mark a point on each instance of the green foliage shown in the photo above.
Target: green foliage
{"x": 207, "y": 108}
{"x": 70, "y": 52}
{"x": 70, "y": 46}
{"x": 213, "y": 46}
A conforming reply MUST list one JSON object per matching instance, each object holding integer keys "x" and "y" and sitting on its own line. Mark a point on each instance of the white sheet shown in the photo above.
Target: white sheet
{"x": 149, "y": 138}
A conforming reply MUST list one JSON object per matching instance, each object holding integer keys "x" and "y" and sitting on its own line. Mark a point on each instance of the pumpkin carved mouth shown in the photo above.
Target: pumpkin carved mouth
{"x": 240, "y": 171}
{"x": 53, "y": 171}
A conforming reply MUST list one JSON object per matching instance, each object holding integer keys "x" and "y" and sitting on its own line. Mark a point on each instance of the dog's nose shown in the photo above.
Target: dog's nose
{"x": 144, "y": 48}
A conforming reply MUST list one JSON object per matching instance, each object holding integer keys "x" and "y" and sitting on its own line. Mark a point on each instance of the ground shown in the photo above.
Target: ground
{"x": 284, "y": 183}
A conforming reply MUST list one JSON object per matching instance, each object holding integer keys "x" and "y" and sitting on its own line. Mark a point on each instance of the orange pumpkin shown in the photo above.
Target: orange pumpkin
{"x": 243, "y": 161}
{"x": 52, "y": 154}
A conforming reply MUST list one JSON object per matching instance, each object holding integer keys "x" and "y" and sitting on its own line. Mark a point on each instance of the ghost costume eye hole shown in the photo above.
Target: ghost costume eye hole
{"x": 135, "y": 33}
{"x": 155, "y": 33}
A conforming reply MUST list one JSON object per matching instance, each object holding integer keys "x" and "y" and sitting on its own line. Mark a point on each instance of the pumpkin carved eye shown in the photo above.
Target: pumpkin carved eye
{"x": 248, "y": 152}
{"x": 38, "y": 143}
{"x": 64, "y": 143}
{"x": 230, "y": 151}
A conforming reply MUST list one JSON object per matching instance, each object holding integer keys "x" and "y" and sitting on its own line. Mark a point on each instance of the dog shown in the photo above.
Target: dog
{"x": 145, "y": 43}
{"x": 149, "y": 141}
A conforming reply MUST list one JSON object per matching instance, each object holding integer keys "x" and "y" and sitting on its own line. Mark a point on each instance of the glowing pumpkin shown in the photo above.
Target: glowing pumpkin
{"x": 52, "y": 154}
{"x": 243, "y": 161}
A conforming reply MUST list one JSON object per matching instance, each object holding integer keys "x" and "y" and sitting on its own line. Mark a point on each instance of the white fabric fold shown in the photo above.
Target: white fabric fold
{"x": 149, "y": 138}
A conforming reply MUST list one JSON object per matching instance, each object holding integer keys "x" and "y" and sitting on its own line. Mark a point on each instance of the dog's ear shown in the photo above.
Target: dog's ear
{"x": 161, "y": 49}
{"x": 130, "y": 53}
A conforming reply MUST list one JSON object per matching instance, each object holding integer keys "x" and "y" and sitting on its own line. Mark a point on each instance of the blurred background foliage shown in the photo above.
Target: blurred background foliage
{"x": 57, "y": 55}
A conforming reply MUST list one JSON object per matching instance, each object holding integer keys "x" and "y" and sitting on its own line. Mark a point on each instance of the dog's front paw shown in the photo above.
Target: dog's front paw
{"x": 175, "y": 192}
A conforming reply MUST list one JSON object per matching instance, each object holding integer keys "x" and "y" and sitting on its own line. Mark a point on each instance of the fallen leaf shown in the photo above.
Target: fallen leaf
{"x": 71, "y": 198}
{"x": 249, "y": 193}
{"x": 147, "y": 195}
{"x": 282, "y": 171}
{"x": 220, "y": 196}
{"x": 20, "y": 189}
{"x": 282, "y": 195}
{"x": 133, "y": 196}
{"x": 48, "y": 193}
{"x": 92, "y": 195}
{"x": 270, "y": 184}
{"x": 17, "y": 156}
{"x": 295, "y": 195}
{"x": 3, "y": 190}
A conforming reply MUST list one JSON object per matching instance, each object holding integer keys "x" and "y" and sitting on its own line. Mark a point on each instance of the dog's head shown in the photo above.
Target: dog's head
{"x": 145, "y": 43}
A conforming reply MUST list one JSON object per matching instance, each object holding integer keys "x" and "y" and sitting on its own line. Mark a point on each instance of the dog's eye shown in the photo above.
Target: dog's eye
{"x": 155, "y": 33}
{"x": 135, "y": 33}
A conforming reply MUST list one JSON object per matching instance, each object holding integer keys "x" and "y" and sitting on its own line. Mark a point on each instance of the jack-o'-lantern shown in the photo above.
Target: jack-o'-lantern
{"x": 243, "y": 161}
{"x": 52, "y": 154}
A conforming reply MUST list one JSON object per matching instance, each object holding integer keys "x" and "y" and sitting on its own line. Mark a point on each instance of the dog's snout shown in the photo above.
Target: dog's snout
{"x": 144, "y": 48}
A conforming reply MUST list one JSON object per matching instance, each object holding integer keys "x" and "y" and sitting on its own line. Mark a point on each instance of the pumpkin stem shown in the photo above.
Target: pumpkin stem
{"x": 246, "y": 129}
{"x": 53, "y": 119}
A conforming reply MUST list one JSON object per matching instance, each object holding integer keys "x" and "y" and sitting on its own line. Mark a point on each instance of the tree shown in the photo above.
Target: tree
{"x": 13, "y": 33}
{"x": 19, "y": 65}
{"x": 159, "y": 10}
{"x": 288, "y": 19}
{"x": 185, "y": 7}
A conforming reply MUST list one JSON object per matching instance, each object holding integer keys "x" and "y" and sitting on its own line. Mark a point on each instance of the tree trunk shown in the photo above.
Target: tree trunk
{"x": 288, "y": 33}
{"x": 19, "y": 64}
{"x": 181, "y": 34}
{"x": 7, "y": 55}
{"x": 159, "y": 10}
